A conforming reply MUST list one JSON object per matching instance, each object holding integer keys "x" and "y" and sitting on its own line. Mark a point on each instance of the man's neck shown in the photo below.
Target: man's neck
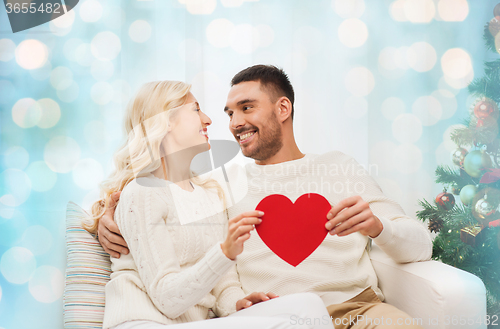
{"x": 283, "y": 155}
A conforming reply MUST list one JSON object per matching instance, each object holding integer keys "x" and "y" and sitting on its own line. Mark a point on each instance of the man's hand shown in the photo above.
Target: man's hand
{"x": 108, "y": 232}
{"x": 254, "y": 298}
{"x": 351, "y": 215}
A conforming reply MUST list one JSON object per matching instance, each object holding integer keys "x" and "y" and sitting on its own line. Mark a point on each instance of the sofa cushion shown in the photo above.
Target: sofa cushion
{"x": 87, "y": 271}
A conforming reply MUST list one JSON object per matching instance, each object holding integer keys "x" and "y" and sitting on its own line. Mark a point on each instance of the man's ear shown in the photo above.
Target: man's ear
{"x": 284, "y": 108}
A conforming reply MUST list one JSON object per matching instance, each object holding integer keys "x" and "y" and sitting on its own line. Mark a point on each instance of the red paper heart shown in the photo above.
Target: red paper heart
{"x": 293, "y": 230}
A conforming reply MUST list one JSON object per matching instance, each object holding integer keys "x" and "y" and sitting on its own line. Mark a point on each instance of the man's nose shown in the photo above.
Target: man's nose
{"x": 237, "y": 120}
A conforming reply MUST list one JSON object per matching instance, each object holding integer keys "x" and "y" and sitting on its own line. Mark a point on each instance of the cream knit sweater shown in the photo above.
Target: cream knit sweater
{"x": 340, "y": 268}
{"x": 174, "y": 269}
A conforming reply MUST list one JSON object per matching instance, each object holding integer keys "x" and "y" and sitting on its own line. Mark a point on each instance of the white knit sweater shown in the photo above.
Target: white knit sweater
{"x": 174, "y": 269}
{"x": 340, "y": 268}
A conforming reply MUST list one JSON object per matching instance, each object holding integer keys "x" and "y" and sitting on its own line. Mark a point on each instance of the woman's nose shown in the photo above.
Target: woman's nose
{"x": 205, "y": 119}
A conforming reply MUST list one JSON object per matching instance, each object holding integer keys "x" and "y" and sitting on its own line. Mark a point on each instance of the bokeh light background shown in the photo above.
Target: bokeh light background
{"x": 384, "y": 81}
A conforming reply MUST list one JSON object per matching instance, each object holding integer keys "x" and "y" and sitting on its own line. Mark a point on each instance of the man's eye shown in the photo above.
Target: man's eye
{"x": 246, "y": 108}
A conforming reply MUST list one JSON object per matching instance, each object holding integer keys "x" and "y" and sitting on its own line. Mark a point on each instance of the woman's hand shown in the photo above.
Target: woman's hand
{"x": 239, "y": 229}
{"x": 108, "y": 233}
{"x": 254, "y": 298}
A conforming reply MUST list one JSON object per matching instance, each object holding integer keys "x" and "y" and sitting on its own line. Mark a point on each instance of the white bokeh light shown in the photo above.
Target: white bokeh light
{"x": 26, "y": 113}
{"x": 105, "y": 45}
{"x": 101, "y": 93}
{"x": 245, "y": 39}
{"x": 51, "y": 112}
{"x": 140, "y": 31}
{"x": 308, "y": 40}
{"x": 64, "y": 21}
{"x": 88, "y": 173}
{"x": 443, "y": 156}
{"x": 456, "y": 63}
{"x": 359, "y": 81}
{"x": 349, "y": 8}
{"x": 392, "y": 107}
{"x": 97, "y": 136}
{"x": 295, "y": 63}
{"x": 386, "y": 58}
{"x": 453, "y": 10}
{"x": 382, "y": 154}
{"x": 390, "y": 187}
{"x": 121, "y": 91}
{"x": 7, "y": 50}
{"x": 16, "y": 186}
{"x": 61, "y": 154}
{"x": 46, "y": 284}
{"x": 421, "y": 56}
{"x": 190, "y": 50}
{"x": 69, "y": 49}
{"x": 42, "y": 73}
{"x": 61, "y": 77}
{"x": 200, "y": 7}
{"x": 90, "y": 198}
{"x": 407, "y": 128}
{"x": 419, "y": 11}
{"x": 232, "y": 3}
{"x": 16, "y": 157}
{"x": 448, "y": 102}
{"x": 353, "y": 33}
{"x": 102, "y": 70}
{"x": 90, "y": 11}
{"x": 83, "y": 54}
{"x": 70, "y": 93}
{"x": 42, "y": 178}
{"x": 31, "y": 54}
{"x": 219, "y": 32}
{"x": 397, "y": 10}
{"x": 17, "y": 265}
{"x": 63, "y": 24}
{"x": 461, "y": 82}
{"x": 427, "y": 109}
{"x": 355, "y": 107}
{"x": 266, "y": 35}
{"x": 36, "y": 239}
{"x": 407, "y": 158}
{"x": 12, "y": 223}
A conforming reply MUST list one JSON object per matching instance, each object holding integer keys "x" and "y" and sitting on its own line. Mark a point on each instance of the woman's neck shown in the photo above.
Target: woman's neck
{"x": 177, "y": 170}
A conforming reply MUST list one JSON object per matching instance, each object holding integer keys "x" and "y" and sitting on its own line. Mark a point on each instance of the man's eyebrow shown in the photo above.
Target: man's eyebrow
{"x": 244, "y": 101}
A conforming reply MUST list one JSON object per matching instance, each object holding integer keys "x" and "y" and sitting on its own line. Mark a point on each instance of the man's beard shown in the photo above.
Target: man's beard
{"x": 269, "y": 142}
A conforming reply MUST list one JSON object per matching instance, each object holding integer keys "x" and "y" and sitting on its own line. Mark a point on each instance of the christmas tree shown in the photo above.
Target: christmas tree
{"x": 469, "y": 232}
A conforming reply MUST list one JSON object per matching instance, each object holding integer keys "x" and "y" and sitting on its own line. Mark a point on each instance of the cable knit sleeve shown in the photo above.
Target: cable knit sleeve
{"x": 403, "y": 238}
{"x": 141, "y": 219}
{"x": 228, "y": 291}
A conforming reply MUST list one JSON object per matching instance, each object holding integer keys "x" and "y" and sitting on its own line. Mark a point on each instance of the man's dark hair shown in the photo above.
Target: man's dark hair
{"x": 274, "y": 79}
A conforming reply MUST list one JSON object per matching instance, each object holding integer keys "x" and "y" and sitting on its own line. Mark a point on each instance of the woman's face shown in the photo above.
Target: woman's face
{"x": 189, "y": 125}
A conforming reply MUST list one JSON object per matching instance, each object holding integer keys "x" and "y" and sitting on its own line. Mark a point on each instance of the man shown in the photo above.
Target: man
{"x": 260, "y": 110}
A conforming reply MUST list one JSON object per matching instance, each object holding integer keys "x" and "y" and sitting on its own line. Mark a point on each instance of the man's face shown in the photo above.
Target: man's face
{"x": 253, "y": 121}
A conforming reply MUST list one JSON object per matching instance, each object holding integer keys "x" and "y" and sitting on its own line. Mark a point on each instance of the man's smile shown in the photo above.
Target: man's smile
{"x": 246, "y": 136}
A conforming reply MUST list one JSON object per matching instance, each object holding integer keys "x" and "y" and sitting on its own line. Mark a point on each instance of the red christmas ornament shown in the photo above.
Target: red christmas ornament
{"x": 485, "y": 109}
{"x": 445, "y": 200}
{"x": 494, "y": 26}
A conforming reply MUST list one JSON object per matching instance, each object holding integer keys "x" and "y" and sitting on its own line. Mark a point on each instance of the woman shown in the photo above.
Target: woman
{"x": 180, "y": 265}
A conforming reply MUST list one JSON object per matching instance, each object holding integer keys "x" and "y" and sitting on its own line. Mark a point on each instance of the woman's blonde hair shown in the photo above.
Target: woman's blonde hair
{"x": 150, "y": 112}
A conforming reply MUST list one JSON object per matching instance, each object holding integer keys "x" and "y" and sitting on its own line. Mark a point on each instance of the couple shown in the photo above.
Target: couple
{"x": 183, "y": 249}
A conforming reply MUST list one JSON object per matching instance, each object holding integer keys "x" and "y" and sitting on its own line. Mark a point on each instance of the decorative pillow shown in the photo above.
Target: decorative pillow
{"x": 87, "y": 272}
